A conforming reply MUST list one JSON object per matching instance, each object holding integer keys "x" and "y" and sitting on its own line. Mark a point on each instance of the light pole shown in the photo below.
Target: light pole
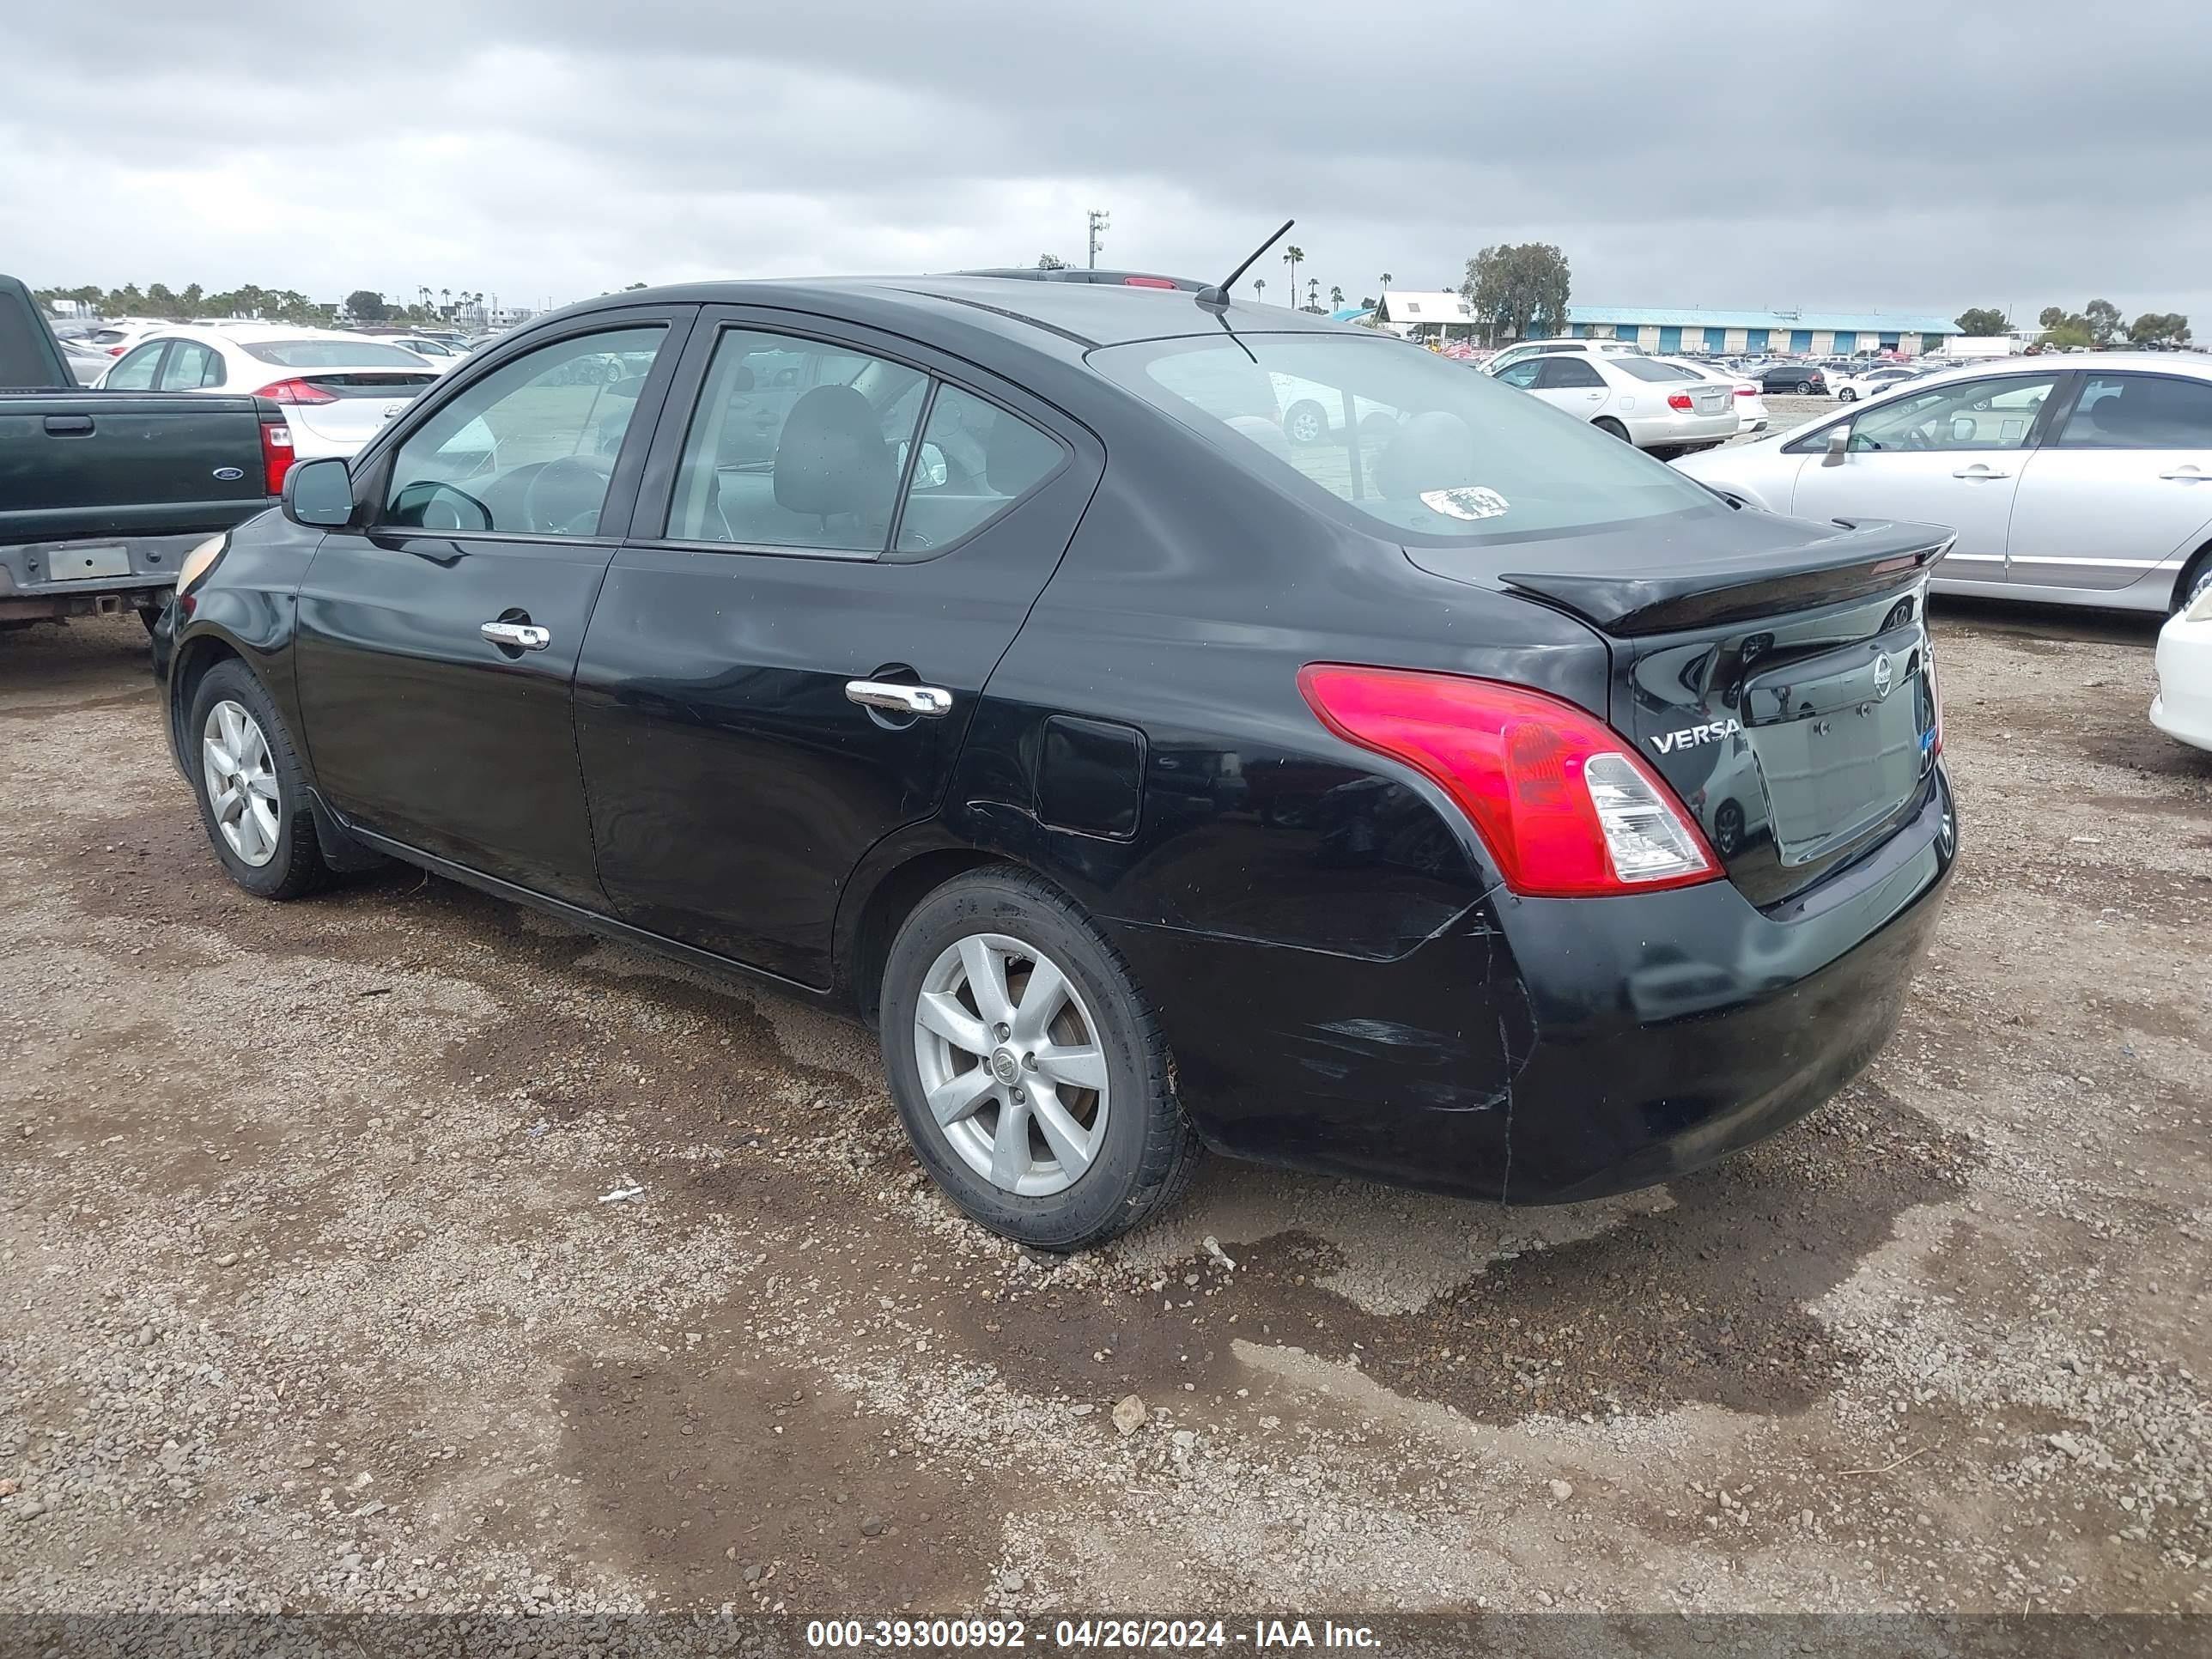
{"x": 1100, "y": 221}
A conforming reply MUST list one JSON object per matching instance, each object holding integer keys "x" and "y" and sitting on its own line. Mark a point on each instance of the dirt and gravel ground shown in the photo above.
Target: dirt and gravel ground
{"x": 308, "y": 1297}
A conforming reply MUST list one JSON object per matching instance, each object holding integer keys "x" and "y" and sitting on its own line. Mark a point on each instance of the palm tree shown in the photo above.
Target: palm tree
{"x": 446, "y": 303}
{"x": 1386, "y": 282}
{"x": 1259, "y": 290}
{"x": 1293, "y": 256}
{"x": 1335, "y": 297}
{"x": 1312, "y": 294}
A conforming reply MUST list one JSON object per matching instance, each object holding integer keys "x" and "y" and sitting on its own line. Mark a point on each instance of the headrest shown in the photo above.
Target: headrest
{"x": 831, "y": 456}
{"x": 1016, "y": 454}
{"x": 1431, "y": 451}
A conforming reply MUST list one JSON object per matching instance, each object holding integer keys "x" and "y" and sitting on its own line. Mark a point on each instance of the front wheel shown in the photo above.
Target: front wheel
{"x": 1847, "y": 396}
{"x": 1306, "y": 423}
{"x": 252, "y": 793}
{"x": 1029, "y": 1070}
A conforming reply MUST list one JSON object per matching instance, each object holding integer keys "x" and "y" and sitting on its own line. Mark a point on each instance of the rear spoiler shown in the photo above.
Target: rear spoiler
{"x": 1857, "y": 560}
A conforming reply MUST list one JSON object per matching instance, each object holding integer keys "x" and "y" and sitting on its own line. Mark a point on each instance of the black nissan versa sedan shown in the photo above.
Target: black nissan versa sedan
{"x": 1462, "y": 800}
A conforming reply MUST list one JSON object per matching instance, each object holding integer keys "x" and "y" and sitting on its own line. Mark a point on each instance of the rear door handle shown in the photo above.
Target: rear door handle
{"x": 522, "y": 636}
{"x": 69, "y": 425}
{"x": 2188, "y": 474}
{"x": 1978, "y": 470}
{"x": 929, "y": 700}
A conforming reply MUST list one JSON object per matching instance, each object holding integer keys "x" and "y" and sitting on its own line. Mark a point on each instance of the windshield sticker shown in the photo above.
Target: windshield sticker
{"x": 1468, "y": 502}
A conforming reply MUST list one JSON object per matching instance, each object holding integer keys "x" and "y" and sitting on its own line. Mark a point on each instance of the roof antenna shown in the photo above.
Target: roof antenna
{"x": 1216, "y": 299}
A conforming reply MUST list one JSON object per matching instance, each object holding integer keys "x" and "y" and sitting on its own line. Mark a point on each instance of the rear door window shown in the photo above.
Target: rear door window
{"x": 187, "y": 369}
{"x": 1564, "y": 371}
{"x": 799, "y": 443}
{"x": 2140, "y": 411}
{"x": 976, "y": 460}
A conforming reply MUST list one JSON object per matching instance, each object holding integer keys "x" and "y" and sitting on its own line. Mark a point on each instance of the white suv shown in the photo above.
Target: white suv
{"x": 1528, "y": 349}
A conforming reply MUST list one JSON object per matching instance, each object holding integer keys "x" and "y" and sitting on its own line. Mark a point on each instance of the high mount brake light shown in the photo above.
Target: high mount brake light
{"x": 1565, "y": 808}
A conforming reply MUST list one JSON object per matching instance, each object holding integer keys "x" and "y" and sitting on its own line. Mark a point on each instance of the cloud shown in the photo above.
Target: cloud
{"x": 1901, "y": 156}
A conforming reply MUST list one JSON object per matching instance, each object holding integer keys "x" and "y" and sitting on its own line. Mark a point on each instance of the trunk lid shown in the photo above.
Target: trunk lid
{"x": 367, "y": 398}
{"x": 1777, "y": 676}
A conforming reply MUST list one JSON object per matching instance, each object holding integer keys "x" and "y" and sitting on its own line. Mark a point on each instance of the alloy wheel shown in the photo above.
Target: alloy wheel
{"x": 1010, "y": 1064}
{"x": 241, "y": 782}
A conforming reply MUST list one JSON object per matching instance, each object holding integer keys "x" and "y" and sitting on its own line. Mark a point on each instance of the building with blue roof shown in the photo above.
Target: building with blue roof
{"x": 1802, "y": 333}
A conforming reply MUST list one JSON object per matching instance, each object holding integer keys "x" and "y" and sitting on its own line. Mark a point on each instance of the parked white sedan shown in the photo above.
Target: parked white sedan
{"x": 2183, "y": 707}
{"x": 2085, "y": 479}
{"x": 1663, "y": 408}
{"x": 1872, "y": 382}
{"x": 1751, "y": 412}
{"x": 338, "y": 389}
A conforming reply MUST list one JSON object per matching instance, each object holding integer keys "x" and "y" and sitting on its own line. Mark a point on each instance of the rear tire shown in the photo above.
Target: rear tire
{"x": 997, "y": 1092}
{"x": 253, "y": 793}
{"x": 1804, "y": 388}
{"x": 1608, "y": 424}
{"x": 1845, "y": 395}
{"x": 2194, "y": 581}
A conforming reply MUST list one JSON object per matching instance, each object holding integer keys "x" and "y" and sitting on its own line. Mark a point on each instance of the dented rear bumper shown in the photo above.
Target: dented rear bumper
{"x": 1545, "y": 1051}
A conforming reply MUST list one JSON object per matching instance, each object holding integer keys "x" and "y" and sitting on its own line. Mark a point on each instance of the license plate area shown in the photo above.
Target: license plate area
{"x": 83, "y": 564}
{"x": 1841, "y": 740}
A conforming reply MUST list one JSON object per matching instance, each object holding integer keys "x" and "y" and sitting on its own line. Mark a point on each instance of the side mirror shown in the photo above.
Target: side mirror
{"x": 319, "y": 493}
{"x": 930, "y": 471}
{"x": 1840, "y": 444}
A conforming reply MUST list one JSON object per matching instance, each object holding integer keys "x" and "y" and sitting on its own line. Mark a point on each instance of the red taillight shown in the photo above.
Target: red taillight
{"x": 276, "y": 456}
{"x": 115, "y": 351}
{"x": 1146, "y": 281}
{"x": 295, "y": 391}
{"x": 1680, "y": 400}
{"x": 1565, "y": 807}
{"x": 1747, "y": 392}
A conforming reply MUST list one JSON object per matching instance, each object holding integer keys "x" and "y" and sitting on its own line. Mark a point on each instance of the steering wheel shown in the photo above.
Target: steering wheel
{"x": 563, "y": 496}
{"x": 1917, "y": 438}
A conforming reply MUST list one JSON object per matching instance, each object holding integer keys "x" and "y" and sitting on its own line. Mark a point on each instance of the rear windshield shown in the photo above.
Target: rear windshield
{"x": 331, "y": 354}
{"x": 1431, "y": 449}
{"x": 1650, "y": 369}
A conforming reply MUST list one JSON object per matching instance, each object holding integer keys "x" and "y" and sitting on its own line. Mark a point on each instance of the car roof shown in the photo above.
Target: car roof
{"x": 1081, "y": 314}
{"x": 244, "y": 333}
{"x": 2194, "y": 364}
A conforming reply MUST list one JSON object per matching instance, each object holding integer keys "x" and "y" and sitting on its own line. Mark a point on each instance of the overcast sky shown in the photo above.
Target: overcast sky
{"x": 1906, "y": 157}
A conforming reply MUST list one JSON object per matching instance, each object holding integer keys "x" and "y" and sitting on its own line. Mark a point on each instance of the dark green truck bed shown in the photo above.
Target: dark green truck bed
{"x": 103, "y": 493}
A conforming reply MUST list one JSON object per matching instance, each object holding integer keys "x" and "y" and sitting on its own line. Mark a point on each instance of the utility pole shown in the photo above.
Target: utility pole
{"x": 1099, "y": 221}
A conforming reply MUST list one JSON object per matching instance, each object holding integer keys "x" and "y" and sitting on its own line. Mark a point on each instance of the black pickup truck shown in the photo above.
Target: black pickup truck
{"x": 103, "y": 493}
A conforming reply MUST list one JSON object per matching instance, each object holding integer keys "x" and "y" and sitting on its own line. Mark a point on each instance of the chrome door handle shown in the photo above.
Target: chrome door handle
{"x": 523, "y": 636}
{"x": 1978, "y": 470}
{"x": 2188, "y": 474}
{"x": 899, "y": 699}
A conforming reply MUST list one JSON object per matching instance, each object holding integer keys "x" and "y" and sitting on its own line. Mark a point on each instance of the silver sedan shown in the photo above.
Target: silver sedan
{"x": 2085, "y": 479}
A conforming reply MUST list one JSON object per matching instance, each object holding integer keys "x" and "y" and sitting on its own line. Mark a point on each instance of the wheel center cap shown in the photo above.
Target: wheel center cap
{"x": 1004, "y": 1066}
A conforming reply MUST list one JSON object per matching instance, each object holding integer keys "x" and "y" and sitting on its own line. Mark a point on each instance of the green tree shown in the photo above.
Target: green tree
{"x": 2103, "y": 317}
{"x": 1294, "y": 256}
{"x": 1980, "y": 322}
{"x": 1051, "y": 262}
{"x": 2069, "y": 333}
{"x": 2159, "y": 328}
{"x": 2052, "y": 317}
{"x": 368, "y": 305}
{"x": 1518, "y": 290}
{"x": 1335, "y": 297}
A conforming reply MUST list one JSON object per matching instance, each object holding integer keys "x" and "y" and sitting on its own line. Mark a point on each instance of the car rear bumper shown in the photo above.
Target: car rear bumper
{"x": 89, "y": 576}
{"x": 1658, "y": 431}
{"x": 1551, "y": 1051}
